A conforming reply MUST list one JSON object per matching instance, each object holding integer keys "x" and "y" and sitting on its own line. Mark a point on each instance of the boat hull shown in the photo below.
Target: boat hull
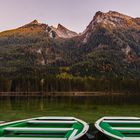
{"x": 119, "y": 128}
{"x": 44, "y": 128}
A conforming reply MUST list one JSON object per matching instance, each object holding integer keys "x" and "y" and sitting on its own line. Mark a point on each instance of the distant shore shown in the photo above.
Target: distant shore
{"x": 62, "y": 94}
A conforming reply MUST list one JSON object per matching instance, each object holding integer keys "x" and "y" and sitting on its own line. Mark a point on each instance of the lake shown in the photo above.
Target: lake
{"x": 88, "y": 108}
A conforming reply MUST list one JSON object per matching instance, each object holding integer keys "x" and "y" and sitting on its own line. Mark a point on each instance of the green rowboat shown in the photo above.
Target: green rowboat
{"x": 119, "y": 128}
{"x": 44, "y": 128}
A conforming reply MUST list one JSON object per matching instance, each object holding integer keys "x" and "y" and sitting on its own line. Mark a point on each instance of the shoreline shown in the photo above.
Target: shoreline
{"x": 63, "y": 94}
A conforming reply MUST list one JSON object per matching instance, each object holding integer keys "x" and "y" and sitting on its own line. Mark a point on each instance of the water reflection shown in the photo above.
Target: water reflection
{"x": 39, "y": 103}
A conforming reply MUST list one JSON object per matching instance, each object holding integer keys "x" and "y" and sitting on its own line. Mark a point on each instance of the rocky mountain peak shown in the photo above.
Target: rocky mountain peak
{"x": 111, "y": 14}
{"x": 63, "y": 32}
{"x": 35, "y": 22}
{"x": 98, "y": 14}
{"x": 60, "y": 26}
{"x": 118, "y": 15}
{"x": 110, "y": 20}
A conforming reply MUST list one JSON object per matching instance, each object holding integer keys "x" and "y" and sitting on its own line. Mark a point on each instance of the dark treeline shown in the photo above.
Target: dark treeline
{"x": 66, "y": 82}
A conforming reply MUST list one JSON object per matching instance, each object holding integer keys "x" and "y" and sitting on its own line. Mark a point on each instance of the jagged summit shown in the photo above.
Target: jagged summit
{"x": 117, "y": 14}
{"x": 111, "y": 14}
{"x": 60, "y": 26}
{"x": 63, "y": 32}
{"x": 112, "y": 19}
{"x": 34, "y": 22}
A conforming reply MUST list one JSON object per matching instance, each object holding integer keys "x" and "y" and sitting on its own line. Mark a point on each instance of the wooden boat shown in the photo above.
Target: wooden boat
{"x": 119, "y": 128}
{"x": 44, "y": 128}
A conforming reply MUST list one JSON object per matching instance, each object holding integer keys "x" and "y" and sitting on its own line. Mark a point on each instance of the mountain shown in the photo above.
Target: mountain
{"x": 35, "y": 43}
{"x": 109, "y": 47}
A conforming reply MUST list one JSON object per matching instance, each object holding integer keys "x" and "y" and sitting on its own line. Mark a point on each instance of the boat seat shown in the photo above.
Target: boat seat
{"x": 55, "y": 118}
{"x": 52, "y": 122}
{"x": 14, "y": 138}
{"x": 117, "y": 121}
{"x": 131, "y": 138}
{"x": 126, "y": 128}
{"x": 37, "y": 129}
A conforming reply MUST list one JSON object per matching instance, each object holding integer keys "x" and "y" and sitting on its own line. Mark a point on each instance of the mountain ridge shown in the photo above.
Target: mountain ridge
{"x": 60, "y": 31}
{"x": 110, "y": 45}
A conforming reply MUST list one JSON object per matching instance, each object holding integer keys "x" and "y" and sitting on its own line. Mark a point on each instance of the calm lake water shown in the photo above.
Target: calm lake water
{"x": 87, "y": 108}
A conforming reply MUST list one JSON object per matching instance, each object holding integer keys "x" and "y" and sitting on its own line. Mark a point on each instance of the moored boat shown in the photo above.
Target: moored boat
{"x": 44, "y": 128}
{"x": 119, "y": 128}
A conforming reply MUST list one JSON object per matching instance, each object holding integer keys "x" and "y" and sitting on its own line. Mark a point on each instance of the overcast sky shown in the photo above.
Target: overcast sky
{"x": 74, "y": 14}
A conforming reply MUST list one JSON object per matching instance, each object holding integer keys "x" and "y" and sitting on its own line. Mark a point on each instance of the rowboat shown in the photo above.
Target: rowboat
{"x": 44, "y": 128}
{"x": 119, "y": 128}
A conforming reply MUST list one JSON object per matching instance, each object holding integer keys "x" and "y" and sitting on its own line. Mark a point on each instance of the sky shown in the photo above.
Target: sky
{"x": 73, "y": 14}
